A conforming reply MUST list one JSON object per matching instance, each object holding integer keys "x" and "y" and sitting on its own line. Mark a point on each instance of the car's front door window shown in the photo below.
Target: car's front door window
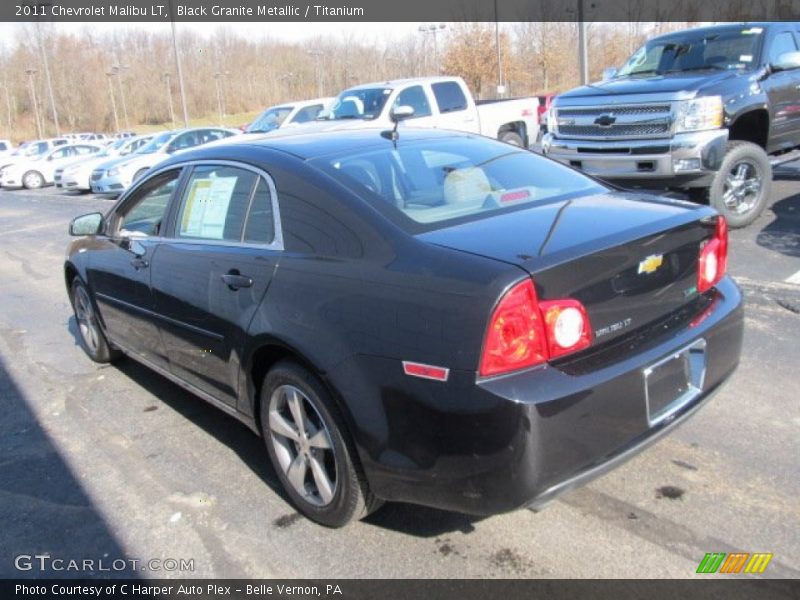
{"x": 144, "y": 216}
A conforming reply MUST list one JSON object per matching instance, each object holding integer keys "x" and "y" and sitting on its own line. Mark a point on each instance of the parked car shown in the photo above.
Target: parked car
{"x": 707, "y": 110}
{"x": 76, "y": 176}
{"x": 115, "y": 176}
{"x": 6, "y": 148}
{"x": 437, "y": 319}
{"x": 440, "y": 102}
{"x": 31, "y": 149}
{"x": 39, "y": 170}
{"x": 289, "y": 114}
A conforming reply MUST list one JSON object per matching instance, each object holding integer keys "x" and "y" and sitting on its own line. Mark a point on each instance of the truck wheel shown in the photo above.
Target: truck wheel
{"x": 742, "y": 186}
{"x": 513, "y": 138}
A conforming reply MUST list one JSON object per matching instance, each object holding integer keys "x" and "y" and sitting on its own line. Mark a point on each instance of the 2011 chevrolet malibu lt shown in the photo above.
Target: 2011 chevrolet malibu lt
{"x": 433, "y": 318}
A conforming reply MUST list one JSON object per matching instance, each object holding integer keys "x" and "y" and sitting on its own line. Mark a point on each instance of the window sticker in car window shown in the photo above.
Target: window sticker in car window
{"x": 207, "y": 207}
{"x": 746, "y": 58}
{"x": 752, "y": 31}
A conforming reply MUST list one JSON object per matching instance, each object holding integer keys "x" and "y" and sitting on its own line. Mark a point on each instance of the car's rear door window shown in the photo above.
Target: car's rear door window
{"x": 215, "y": 203}
{"x": 449, "y": 96}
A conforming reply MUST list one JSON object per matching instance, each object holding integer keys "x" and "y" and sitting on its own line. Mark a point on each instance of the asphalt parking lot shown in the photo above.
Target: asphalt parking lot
{"x": 109, "y": 463}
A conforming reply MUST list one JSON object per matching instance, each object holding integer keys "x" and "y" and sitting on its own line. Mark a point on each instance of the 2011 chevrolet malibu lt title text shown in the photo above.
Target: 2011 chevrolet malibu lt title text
{"x": 438, "y": 318}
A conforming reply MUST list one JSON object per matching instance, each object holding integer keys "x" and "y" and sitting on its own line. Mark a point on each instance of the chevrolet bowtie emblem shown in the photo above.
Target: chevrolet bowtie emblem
{"x": 651, "y": 264}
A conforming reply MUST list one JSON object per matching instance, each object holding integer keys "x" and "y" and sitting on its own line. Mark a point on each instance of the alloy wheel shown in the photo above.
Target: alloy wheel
{"x": 302, "y": 445}
{"x": 742, "y": 187}
{"x": 87, "y": 323}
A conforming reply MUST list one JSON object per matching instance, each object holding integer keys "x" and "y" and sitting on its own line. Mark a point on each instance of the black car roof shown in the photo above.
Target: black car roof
{"x": 315, "y": 144}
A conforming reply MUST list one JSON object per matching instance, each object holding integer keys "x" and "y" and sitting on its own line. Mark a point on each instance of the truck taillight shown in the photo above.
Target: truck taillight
{"x": 713, "y": 261}
{"x": 524, "y": 332}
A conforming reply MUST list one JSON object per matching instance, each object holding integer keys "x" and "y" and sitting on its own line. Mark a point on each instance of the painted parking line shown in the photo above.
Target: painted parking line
{"x": 793, "y": 278}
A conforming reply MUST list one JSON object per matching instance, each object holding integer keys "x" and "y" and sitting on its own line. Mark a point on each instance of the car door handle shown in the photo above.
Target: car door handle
{"x": 235, "y": 280}
{"x": 139, "y": 263}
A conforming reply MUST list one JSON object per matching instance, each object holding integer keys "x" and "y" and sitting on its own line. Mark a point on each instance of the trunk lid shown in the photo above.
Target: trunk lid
{"x": 629, "y": 259}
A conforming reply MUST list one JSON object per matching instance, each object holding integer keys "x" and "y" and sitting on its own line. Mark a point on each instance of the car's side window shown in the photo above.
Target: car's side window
{"x": 449, "y": 96}
{"x": 63, "y": 153}
{"x": 416, "y": 98}
{"x": 143, "y": 214}
{"x": 309, "y": 113}
{"x": 782, "y": 43}
{"x": 260, "y": 225}
{"x": 215, "y": 203}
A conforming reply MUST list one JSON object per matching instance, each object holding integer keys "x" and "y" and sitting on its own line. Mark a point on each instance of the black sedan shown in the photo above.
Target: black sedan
{"x": 439, "y": 319}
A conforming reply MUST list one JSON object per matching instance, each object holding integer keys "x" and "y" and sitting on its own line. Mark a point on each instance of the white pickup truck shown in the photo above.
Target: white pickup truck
{"x": 440, "y": 102}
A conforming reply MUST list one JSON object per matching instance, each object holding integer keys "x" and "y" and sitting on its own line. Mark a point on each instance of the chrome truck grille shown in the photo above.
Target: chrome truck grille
{"x": 615, "y": 122}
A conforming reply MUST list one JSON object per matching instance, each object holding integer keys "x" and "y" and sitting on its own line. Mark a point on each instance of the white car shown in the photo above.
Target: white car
{"x": 6, "y": 147}
{"x": 115, "y": 176}
{"x": 28, "y": 150}
{"x": 37, "y": 171}
{"x": 289, "y": 114}
{"x": 77, "y": 175}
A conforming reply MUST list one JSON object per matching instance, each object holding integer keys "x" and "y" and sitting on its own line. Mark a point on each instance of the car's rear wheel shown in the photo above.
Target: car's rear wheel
{"x": 32, "y": 180}
{"x": 90, "y": 335}
{"x": 513, "y": 138}
{"x": 310, "y": 449}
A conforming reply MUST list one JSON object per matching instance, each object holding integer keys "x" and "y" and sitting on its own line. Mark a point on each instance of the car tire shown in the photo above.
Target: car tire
{"x": 742, "y": 186}
{"x": 513, "y": 138}
{"x": 139, "y": 174}
{"x": 316, "y": 462}
{"x": 32, "y": 180}
{"x": 90, "y": 334}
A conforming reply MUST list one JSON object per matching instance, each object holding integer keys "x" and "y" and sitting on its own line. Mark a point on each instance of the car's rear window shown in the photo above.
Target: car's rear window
{"x": 434, "y": 182}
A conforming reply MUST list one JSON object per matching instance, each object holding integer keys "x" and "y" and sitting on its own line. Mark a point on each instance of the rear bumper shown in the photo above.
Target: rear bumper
{"x": 109, "y": 185}
{"x": 521, "y": 440}
{"x": 686, "y": 159}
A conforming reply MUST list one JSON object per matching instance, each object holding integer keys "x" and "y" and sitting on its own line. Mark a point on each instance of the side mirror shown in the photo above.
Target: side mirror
{"x": 90, "y": 224}
{"x": 401, "y": 113}
{"x": 609, "y": 73}
{"x": 787, "y": 61}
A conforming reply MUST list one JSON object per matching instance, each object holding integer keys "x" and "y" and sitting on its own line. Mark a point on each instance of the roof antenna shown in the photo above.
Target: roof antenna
{"x": 399, "y": 113}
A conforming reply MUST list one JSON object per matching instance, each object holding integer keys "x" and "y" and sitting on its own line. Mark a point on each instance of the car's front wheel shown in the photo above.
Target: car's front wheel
{"x": 309, "y": 447}
{"x": 32, "y": 180}
{"x": 90, "y": 335}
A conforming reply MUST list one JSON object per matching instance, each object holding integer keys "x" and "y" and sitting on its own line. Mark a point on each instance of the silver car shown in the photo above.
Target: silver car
{"x": 114, "y": 177}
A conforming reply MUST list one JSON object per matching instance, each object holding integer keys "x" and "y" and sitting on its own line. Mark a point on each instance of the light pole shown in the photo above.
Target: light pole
{"x": 109, "y": 75}
{"x": 118, "y": 70}
{"x": 583, "y": 57}
{"x": 217, "y": 77}
{"x": 317, "y": 54}
{"x": 8, "y": 107}
{"x": 32, "y": 88}
{"x": 433, "y": 29}
{"x": 166, "y": 77}
{"x": 501, "y": 89}
{"x": 178, "y": 67}
{"x": 48, "y": 78}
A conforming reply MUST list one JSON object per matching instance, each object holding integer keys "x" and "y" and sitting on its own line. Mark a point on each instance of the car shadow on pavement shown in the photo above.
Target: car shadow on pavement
{"x": 405, "y": 518}
{"x": 227, "y": 430}
{"x": 783, "y": 233}
{"x": 44, "y": 509}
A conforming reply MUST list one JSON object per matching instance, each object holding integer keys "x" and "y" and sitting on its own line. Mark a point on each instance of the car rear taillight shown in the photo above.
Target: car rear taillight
{"x": 566, "y": 325}
{"x": 713, "y": 261}
{"x": 524, "y": 332}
